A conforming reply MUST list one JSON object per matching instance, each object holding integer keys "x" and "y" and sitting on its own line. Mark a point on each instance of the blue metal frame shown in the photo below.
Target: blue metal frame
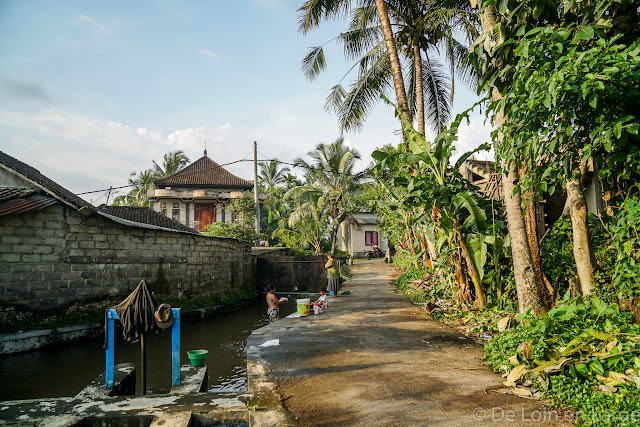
{"x": 175, "y": 348}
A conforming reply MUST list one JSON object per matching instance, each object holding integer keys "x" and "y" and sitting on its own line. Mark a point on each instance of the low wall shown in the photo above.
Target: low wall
{"x": 292, "y": 273}
{"x": 54, "y": 257}
{"x": 31, "y": 340}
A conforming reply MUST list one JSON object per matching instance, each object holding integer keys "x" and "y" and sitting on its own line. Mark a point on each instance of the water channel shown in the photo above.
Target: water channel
{"x": 65, "y": 370}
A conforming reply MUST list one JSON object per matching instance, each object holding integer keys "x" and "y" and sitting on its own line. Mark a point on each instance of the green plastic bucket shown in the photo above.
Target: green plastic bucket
{"x": 197, "y": 357}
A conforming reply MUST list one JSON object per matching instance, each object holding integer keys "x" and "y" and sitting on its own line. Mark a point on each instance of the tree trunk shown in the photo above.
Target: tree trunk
{"x": 396, "y": 68}
{"x": 582, "y": 250}
{"x": 419, "y": 90}
{"x": 464, "y": 293}
{"x": 527, "y": 286}
{"x": 532, "y": 235}
{"x": 473, "y": 272}
{"x": 334, "y": 234}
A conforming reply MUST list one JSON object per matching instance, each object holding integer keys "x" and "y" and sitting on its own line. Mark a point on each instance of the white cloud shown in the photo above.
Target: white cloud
{"x": 95, "y": 27}
{"x": 471, "y": 135}
{"x": 209, "y": 54}
{"x": 83, "y": 153}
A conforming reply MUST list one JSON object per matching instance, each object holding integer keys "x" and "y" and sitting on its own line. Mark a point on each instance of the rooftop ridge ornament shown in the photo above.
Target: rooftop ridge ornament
{"x": 205, "y": 148}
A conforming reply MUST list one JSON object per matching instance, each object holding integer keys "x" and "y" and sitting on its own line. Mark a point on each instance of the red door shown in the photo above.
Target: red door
{"x": 205, "y": 214}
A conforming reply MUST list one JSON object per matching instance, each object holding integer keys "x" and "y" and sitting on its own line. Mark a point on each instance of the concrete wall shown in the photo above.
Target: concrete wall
{"x": 292, "y": 273}
{"x": 55, "y": 257}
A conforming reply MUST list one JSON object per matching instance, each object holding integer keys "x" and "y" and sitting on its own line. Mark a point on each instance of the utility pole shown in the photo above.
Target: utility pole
{"x": 255, "y": 186}
{"x": 109, "y": 195}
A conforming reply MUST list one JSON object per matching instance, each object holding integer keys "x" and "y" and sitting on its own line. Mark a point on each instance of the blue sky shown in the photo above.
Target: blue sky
{"x": 92, "y": 91}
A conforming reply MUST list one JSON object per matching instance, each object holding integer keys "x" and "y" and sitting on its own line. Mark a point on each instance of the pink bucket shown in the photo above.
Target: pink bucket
{"x": 316, "y": 309}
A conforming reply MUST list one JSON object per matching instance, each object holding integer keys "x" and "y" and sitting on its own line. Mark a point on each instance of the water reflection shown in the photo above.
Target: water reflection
{"x": 64, "y": 371}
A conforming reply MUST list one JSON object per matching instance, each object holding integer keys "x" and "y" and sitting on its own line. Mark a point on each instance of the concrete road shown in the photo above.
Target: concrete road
{"x": 373, "y": 359}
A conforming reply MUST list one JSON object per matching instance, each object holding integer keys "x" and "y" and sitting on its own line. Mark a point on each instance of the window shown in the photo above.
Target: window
{"x": 370, "y": 238}
{"x": 175, "y": 214}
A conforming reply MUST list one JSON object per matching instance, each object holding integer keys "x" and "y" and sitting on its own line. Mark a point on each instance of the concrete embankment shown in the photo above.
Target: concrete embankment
{"x": 373, "y": 359}
{"x": 17, "y": 342}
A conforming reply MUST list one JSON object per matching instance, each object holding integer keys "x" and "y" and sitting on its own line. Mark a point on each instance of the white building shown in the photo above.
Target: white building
{"x": 358, "y": 233}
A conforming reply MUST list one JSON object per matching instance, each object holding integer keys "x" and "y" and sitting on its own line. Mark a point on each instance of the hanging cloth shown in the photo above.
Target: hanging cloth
{"x": 135, "y": 313}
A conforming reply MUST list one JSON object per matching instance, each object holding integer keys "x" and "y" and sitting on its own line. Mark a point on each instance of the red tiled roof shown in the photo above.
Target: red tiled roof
{"x": 204, "y": 172}
{"x": 145, "y": 216}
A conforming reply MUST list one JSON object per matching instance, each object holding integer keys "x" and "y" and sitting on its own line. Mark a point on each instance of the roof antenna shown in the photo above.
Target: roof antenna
{"x": 205, "y": 148}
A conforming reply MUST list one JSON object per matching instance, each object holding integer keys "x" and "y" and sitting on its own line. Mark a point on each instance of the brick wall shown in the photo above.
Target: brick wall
{"x": 55, "y": 257}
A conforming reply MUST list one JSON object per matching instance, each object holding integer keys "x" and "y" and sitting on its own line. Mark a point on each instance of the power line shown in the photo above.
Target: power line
{"x": 184, "y": 174}
{"x": 220, "y": 166}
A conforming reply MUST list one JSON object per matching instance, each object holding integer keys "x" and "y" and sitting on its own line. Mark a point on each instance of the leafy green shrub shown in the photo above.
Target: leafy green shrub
{"x": 403, "y": 260}
{"x": 624, "y": 237}
{"x": 580, "y": 354}
{"x": 556, "y": 254}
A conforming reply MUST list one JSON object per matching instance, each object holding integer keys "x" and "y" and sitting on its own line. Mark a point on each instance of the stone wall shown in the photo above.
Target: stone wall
{"x": 55, "y": 257}
{"x": 292, "y": 273}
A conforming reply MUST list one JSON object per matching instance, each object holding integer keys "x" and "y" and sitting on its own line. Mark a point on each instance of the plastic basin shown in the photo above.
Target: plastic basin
{"x": 197, "y": 357}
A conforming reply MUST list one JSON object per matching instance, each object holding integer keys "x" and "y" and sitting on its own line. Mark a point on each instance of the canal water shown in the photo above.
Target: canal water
{"x": 64, "y": 371}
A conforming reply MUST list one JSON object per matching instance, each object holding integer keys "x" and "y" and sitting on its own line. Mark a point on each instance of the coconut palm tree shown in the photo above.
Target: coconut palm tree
{"x": 271, "y": 175}
{"x": 331, "y": 176}
{"x": 172, "y": 163}
{"x": 140, "y": 183}
{"x": 386, "y": 36}
{"x": 309, "y": 220}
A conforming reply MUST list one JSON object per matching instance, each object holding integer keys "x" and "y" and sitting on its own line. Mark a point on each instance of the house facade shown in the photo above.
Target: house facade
{"x": 198, "y": 195}
{"x": 358, "y": 233}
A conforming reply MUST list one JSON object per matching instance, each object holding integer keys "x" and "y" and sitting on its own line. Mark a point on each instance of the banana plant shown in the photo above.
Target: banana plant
{"x": 445, "y": 199}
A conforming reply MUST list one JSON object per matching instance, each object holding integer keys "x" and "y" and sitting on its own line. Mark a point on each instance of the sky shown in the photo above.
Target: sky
{"x": 93, "y": 91}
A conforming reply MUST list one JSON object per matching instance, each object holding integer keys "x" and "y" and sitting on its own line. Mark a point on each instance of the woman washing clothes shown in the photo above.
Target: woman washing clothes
{"x": 273, "y": 303}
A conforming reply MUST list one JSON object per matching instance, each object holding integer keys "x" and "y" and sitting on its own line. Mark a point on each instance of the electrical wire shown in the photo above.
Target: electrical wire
{"x": 220, "y": 166}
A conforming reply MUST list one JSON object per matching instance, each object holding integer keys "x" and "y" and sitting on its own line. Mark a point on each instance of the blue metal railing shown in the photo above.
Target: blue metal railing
{"x": 175, "y": 348}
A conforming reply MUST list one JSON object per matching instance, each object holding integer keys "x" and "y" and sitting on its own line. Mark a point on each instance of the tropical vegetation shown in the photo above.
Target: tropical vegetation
{"x": 562, "y": 83}
{"x": 172, "y": 163}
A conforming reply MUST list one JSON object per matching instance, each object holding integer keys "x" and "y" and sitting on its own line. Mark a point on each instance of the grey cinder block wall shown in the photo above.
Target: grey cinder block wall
{"x": 56, "y": 256}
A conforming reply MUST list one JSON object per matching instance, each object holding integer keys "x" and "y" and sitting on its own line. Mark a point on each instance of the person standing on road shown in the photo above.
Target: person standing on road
{"x": 333, "y": 275}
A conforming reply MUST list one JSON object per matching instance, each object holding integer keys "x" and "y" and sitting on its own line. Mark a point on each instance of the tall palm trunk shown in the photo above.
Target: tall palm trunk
{"x": 527, "y": 286}
{"x": 419, "y": 91}
{"x": 396, "y": 69}
{"x": 582, "y": 250}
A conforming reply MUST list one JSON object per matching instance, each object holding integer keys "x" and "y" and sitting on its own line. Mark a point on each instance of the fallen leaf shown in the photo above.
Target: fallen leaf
{"x": 504, "y": 323}
{"x": 605, "y": 388}
{"x": 517, "y": 372}
{"x": 522, "y": 392}
{"x": 514, "y": 359}
{"x": 509, "y": 384}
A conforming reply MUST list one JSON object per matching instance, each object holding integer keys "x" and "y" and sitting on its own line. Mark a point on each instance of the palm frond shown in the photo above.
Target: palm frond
{"x": 437, "y": 88}
{"x": 360, "y": 40}
{"x": 312, "y": 12}
{"x": 314, "y": 63}
{"x": 335, "y": 98}
{"x": 365, "y": 92}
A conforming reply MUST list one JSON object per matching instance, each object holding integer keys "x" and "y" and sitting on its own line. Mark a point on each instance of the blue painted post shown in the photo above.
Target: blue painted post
{"x": 175, "y": 347}
{"x": 110, "y": 359}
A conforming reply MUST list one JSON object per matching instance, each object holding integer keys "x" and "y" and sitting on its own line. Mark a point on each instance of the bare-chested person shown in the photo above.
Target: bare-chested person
{"x": 274, "y": 303}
